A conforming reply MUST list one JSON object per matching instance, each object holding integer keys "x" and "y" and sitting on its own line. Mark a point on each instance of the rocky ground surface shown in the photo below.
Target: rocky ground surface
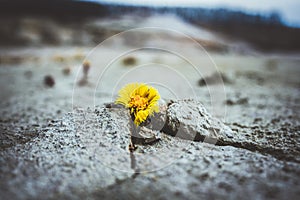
{"x": 84, "y": 155}
{"x": 56, "y": 142}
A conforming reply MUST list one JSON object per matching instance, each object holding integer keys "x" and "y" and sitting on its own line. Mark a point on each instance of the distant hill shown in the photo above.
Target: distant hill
{"x": 265, "y": 33}
{"x": 56, "y": 9}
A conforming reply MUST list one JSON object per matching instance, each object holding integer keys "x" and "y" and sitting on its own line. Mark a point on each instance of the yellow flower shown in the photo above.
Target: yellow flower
{"x": 141, "y": 100}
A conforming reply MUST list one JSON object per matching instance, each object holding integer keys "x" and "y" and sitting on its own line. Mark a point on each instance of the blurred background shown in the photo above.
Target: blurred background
{"x": 266, "y": 26}
{"x": 224, "y": 46}
{"x": 217, "y": 49}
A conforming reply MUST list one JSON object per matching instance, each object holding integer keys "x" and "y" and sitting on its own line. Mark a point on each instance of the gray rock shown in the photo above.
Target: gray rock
{"x": 212, "y": 172}
{"x": 188, "y": 119}
{"x": 85, "y": 155}
{"x": 67, "y": 155}
{"x": 215, "y": 78}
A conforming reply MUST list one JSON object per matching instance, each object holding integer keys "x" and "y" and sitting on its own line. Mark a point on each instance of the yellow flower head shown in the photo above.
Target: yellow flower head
{"x": 141, "y": 99}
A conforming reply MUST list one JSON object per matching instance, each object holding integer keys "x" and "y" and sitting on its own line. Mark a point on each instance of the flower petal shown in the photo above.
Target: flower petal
{"x": 141, "y": 99}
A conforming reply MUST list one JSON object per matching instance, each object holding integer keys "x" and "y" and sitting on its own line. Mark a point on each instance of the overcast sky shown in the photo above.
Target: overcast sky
{"x": 289, "y": 9}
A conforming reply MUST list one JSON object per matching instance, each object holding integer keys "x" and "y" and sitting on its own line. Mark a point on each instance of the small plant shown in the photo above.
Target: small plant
{"x": 85, "y": 67}
{"x": 129, "y": 61}
{"x": 141, "y": 101}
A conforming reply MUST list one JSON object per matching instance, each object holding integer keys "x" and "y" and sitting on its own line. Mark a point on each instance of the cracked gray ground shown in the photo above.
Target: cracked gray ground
{"x": 48, "y": 150}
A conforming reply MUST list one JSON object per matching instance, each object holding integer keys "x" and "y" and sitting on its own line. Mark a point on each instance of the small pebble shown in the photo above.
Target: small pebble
{"x": 49, "y": 81}
{"x": 129, "y": 61}
{"x": 67, "y": 71}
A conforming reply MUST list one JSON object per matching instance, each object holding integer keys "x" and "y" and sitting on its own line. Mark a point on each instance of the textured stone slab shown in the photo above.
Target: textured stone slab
{"x": 84, "y": 155}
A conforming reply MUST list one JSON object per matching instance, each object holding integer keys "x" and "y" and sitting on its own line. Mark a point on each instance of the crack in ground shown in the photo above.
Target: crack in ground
{"x": 281, "y": 145}
{"x": 276, "y": 153}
